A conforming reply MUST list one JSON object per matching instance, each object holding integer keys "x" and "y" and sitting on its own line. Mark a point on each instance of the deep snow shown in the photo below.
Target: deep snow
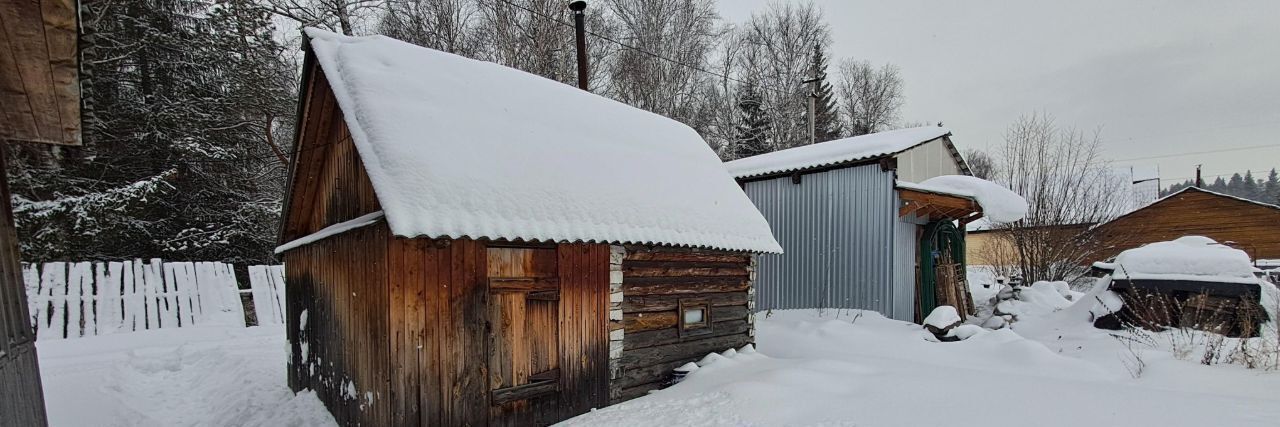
{"x": 835, "y": 368}
{"x": 175, "y": 377}
{"x": 844, "y": 369}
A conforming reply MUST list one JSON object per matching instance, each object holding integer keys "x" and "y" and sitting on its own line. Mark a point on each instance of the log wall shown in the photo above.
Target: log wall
{"x": 655, "y": 281}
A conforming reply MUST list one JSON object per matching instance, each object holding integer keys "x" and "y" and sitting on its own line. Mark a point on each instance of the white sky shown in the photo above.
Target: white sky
{"x": 1159, "y": 77}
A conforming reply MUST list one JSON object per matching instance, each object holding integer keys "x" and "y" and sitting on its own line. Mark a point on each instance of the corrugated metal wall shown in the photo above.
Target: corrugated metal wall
{"x": 837, "y": 228}
{"x": 906, "y": 250}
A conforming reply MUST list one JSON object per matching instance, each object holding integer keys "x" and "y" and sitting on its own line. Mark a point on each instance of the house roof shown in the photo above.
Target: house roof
{"x": 847, "y": 150}
{"x": 456, "y": 147}
{"x": 1185, "y": 190}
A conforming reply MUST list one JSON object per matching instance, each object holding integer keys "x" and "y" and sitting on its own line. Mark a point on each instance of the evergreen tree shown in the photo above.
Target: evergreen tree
{"x": 827, "y": 124}
{"x": 753, "y": 129}
{"x": 1249, "y": 187}
{"x": 1271, "y": 189}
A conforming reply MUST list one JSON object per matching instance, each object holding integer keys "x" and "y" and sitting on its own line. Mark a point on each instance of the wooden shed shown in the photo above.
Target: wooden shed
{"x": 39, "y": 103}
{"x": 466, "y": 243}
{"x": 1244, "y": 224}
{"x": 858, "y": 232}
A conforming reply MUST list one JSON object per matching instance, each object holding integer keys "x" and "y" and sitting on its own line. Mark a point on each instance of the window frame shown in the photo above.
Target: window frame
{"x": 694, "y": 329}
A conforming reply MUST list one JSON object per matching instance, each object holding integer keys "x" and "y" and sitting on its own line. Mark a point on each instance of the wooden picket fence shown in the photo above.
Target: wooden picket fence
{"x": 79, "y": 299}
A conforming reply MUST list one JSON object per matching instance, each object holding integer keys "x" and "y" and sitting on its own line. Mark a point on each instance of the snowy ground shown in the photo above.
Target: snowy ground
{"x": 175, "y": 377}
{"x": 872, "y": 371}
{"x": 833, "y": 369}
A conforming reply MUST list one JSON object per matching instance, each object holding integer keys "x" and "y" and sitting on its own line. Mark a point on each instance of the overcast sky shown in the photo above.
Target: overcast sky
{"x": 1159, "y": 77}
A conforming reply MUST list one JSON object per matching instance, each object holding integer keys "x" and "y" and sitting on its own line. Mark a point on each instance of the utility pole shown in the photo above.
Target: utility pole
{"x": 580, "y": 31}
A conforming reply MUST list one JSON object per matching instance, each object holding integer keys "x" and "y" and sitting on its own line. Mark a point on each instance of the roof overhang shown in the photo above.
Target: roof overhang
{"x": 39, "y": 71}
{"x": 935, "y": 206}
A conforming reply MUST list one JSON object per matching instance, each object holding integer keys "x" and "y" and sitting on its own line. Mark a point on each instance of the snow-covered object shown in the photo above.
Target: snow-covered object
{"x": 456, "y": 148}
{"x": 965, "y": 332}
{"x": 1104, "y": 303}
{"x": 332, "y": 230}
{"x": 942, "y": 317}
{"x": 832, "y": 152}
{"x": 1185, "y": 258}
{"x": 999, "y": 204}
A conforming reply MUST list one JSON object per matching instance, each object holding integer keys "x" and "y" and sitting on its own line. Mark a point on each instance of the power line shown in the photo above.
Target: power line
{"x": 1191, "y": 153}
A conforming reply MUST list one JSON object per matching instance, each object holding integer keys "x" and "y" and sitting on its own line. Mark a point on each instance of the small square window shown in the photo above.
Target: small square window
{"x": 695, "y": 317}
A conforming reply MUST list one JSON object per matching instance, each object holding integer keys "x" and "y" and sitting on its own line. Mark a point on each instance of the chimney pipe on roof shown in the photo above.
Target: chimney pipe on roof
{"x": 580, "y": 31}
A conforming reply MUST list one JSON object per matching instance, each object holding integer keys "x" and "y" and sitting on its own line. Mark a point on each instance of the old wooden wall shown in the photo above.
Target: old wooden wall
{"x": 1253, "y": 226}
{"x": 21, "y": 395}
{"x": 328, "y": 181}
{"x": 655, "y": 280}
{"x": 395, "y": 328}
{"x": 337, "y": 323}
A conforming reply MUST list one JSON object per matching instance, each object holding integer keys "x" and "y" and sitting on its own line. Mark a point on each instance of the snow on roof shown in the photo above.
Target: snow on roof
{"x": 862, "y": 147}
{"x": 456, "y": 148}
{"x": 332, "y": 230}
{"x": 1185, "y": 258}
{"x": 999, "y": 203}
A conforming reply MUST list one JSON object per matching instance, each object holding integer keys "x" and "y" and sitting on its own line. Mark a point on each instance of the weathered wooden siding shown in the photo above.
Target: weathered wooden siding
{"x": 655, "y": 280}
{"x": 21, "y": 396}
{"x": 1252, "y": 226}
{"x": 337, "y": 324}
{"x": 404, "y": 321}
{"x": 328, "y": 182}
{"x": 39, "y": 71}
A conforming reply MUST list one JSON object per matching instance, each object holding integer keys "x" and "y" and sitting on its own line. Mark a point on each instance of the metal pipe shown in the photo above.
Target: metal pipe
{"x": 580, "y": 31}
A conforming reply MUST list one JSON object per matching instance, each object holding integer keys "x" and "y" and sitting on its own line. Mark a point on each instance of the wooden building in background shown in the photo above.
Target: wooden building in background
{"x": 465, "y": 243}
{"x": 39, "y": 103}
{"x": 1250, "y": 226}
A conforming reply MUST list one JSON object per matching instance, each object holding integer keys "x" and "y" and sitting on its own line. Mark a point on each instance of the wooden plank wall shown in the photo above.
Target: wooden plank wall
{"x": 1253, "y": 226}
{"x": 39, "y": 71}
{"x": 21, "y": 396}
{"x": 655, "y": 280}
{"x": 329, "y": 183}
{"x": 584, "y": 327}
{"x": 401, "y": 322}
{"x": 340, "y": 345}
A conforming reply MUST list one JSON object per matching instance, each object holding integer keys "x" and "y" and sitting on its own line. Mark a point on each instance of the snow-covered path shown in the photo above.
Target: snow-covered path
{"x": 824, "y": 370}
{"x": 175, "y": 377}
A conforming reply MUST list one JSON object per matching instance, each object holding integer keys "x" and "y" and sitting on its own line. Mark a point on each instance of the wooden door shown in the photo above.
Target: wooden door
{"x": 523, "y": 335}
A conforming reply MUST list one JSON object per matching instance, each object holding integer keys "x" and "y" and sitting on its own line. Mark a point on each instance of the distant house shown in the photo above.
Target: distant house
{"x": 468, "y": 244}
{"x": 993, "y": 246}
{"x": 1243, "y": 224}
{"x": 857, "y": 232}
{"x": 39, "y": 103}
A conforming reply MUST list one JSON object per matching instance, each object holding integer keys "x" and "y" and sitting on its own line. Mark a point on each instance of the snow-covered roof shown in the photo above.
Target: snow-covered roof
{"x": 1186, "y": 258}
{"x": 456, "y": 148}
{"x": 999, "y": 203}
{"x": 862, "y": 147}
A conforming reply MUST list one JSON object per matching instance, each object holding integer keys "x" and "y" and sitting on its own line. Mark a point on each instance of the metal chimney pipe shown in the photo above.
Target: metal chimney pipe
{"x": 580, "y": 30}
